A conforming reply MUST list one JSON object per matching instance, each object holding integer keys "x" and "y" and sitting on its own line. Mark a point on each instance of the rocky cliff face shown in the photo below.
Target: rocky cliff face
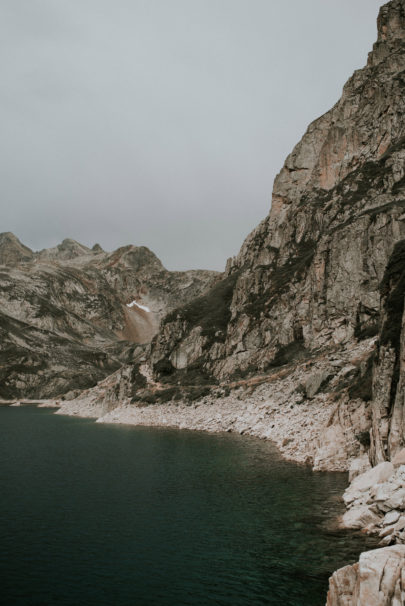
{"x": 310, "y": 273}
{"x": 71, "y": 315}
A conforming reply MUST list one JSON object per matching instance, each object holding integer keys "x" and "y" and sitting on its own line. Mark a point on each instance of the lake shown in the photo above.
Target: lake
{"x": 94, "y": 514}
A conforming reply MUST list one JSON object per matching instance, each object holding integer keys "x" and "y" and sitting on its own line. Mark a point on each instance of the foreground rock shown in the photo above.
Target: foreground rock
{"x": 378, "y": 579}
{"x": 376, "y": 503}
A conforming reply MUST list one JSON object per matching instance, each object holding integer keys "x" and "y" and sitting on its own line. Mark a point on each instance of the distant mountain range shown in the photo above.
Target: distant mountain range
{"x": 70, "y": 315}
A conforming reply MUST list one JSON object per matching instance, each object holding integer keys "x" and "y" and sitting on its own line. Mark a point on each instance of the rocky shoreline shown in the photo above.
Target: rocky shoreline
{"x": 303, "y": 408}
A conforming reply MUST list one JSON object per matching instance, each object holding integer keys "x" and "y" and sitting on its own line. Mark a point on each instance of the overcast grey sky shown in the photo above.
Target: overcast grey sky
{"x": 162, "y": 122}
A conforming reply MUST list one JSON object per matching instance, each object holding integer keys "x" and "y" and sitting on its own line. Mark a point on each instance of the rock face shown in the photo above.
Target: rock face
{"x": 71, "y": 315}
{"x": 388, "y": 415}
{"x": 310, "y": 273}
{"x": 378, "y": 579}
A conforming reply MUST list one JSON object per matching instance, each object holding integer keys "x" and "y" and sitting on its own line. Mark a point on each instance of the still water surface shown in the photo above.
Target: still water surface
{"x": 99, "y": 515}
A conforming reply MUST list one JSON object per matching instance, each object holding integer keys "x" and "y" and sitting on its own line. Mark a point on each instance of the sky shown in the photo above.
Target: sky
{"x": 162, "y": 123}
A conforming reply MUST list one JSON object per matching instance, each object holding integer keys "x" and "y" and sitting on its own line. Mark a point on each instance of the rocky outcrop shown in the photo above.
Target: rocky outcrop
{"x": 378, "y": 579}
{"x": 12, "y": 251}
{"x": 376, "y": 502}
{"x": 72, "y": 315}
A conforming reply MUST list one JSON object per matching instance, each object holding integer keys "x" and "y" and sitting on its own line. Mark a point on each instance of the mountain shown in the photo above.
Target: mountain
{"x": 322, "y": 272}
{"x": 301, "y": 340}
{"x": 71, "y": 315}
{"x": 12, "y": 251}
{"x": 310, "y": 273}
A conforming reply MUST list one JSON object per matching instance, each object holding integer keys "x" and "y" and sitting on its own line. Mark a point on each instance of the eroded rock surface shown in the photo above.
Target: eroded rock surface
{"x": 309, "y": 275}
{"x": 71, "y": 315}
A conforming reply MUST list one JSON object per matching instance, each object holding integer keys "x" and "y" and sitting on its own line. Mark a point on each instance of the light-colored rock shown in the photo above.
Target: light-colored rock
{"x": 359, "y": 517}
{"x": 391, "y": 518}
{"x": 359, "y": 466}
{"x": 384, "y": 501}
{"x": 399, "y": 458}
{"x": 386, "y": 531}
{"x": 378, "y": 579}
{"x": 314, "y": 382}
{"x": 376, "y": 475}
{"x": 400, "y": 525}
{"x": 342, "y": 586}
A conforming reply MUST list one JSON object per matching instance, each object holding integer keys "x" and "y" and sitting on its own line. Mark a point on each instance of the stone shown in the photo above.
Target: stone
{"x": 385, "y": 532}
{"x": 399, "y": 458}
{"x": 376, "y": 475}
{"x": 396, "y": 499}
{"x": 314, "y": 383}
{"x": 359, "y": 517}
{"x": 391, "y": 517}
{"x": 342, "y": 586}
{"x": 400, "y": 525}
{"x": 378, "y": 579}
{"x": 359, "y": 466}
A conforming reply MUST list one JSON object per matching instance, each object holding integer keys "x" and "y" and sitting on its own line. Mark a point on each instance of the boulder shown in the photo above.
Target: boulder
{"x": 359, "y": 466}
{"x": 376, "y": 475}
{"x": 314, "y": 383}
{"x": 359, "y": 517}
{"x": 378, "y": 579}
{"x": 391, "y": 518}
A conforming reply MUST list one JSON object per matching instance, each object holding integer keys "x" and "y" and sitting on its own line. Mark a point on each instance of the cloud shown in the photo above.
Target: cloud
{"x": 162, "y": 123}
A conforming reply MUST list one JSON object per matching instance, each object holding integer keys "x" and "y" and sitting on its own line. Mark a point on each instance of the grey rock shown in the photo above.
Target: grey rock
{"x": 67, "y": 316}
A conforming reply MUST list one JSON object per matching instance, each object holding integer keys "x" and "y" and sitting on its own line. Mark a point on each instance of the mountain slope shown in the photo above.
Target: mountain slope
{"x": 71, "y": 315}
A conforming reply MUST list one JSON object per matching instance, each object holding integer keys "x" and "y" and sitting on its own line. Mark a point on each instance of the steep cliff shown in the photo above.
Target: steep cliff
{"x": 71, "y": 315}
{"x": 310, "y": 273}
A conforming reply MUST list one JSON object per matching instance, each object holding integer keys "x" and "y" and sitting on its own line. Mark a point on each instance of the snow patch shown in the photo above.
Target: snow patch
{"x": 134, "y": 303}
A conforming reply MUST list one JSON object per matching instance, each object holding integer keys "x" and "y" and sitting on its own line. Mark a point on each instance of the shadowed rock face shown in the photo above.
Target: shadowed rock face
{"x": 71, "y": 315}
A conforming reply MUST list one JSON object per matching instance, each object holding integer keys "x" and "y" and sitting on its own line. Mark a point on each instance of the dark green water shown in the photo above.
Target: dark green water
{"x": 93, "y": 514}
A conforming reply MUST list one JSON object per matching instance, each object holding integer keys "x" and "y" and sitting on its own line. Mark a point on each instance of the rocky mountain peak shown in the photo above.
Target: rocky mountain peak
{"x": 65, "y": 251}
{"x": 391, "y": 31}
{"x": 12, "y": 251}
{"x": 138, "y": 258}
{"x": 391, "y": 21}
